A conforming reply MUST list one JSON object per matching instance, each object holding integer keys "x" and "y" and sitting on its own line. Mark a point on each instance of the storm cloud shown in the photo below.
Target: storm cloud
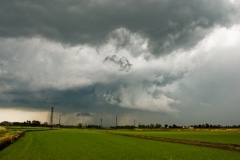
{"x": 158, "y": 60}
{"x": 167, "y": 24}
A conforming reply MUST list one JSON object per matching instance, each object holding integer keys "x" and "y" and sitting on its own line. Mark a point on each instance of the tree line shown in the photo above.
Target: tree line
{"x": 25, "y": 123}
{"x": 140, "y": 126}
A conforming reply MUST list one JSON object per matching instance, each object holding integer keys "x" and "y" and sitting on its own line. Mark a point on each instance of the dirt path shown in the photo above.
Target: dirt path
{"x": 231, "y": 147}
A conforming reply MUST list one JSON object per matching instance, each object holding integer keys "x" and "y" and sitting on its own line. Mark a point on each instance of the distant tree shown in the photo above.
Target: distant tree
{"x": 45, "y": 124}
{"x": 93, "y": 126}
{"x": 141, "y": 126}
{"x": 29, "y": 123}
{"x": 165, "y": 126}
{"x": 207, "y": 125}
{"x": 151, "y": 126}
{"x": 5, "y": 123}
{"x": 158, "y": 125}
{"x": 80, "y": 125}
{"x": 36, "y": 123}
{"x": 16, "y": 123}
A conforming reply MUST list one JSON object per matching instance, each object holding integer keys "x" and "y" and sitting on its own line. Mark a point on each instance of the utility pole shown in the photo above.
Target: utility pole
{"x": 101, "y": 123}
{"x": 59, "y": 122}
{"x": 116, "y": 122}
{"x": 134, "y": 122}
{"x": 51, "y": 117}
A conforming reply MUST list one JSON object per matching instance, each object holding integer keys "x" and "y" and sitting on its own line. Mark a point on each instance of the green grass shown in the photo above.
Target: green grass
{"x": 207, "y": 136}
{"x": 76, "y": 144}
{"x": 26, "y": 128}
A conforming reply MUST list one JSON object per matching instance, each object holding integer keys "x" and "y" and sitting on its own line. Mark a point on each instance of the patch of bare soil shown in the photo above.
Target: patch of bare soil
{"x": 231, "y": 147}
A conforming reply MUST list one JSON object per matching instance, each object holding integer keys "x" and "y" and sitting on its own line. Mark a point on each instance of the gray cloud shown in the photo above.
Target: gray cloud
{"x": 122, "y": 62}
{"x": 84, "y": 114}
{"x": 168, "y": 24}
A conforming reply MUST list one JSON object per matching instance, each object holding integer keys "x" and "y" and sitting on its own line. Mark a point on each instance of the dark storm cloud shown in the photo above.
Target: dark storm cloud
{"x": 84, "y": 98}
{"x": 168, "y": 24}
{"x": 56, "y": 53}
{"x": 111, "y": 97}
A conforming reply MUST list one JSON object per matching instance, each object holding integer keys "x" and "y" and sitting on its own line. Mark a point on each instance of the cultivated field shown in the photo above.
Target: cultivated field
{"x": 206, "y": 135}
{"x": 74, "y": 144}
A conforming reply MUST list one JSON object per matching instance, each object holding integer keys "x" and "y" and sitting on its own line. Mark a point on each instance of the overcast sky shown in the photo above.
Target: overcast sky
{"x": 155, "y": 61}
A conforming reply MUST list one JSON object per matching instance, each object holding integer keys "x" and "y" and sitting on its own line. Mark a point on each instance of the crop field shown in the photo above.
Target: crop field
{"x": 72, "y": 144}
{"x": 218, "y": 136}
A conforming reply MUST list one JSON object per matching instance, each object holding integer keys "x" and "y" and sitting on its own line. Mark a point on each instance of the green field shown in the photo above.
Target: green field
{"x": 74, "y": 144}
{"x": 219, "y": 136}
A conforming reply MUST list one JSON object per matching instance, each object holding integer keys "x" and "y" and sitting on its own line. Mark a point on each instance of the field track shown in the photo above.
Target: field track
{"x": 231, "y": 147}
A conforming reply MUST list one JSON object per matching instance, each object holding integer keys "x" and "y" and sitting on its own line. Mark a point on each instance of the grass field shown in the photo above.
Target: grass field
{"x": 26, "y": 128}
{"x": 74, "y": 144}
{"x": 220, "y": 136}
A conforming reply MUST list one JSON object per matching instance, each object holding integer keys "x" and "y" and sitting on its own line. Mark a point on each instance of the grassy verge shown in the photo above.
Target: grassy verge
{"x": 7, "y": 137}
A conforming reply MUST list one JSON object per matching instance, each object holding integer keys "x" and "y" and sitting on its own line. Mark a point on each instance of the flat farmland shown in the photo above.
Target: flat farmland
{"x": 217, "y": 136}
{"x": 74, "y": 144}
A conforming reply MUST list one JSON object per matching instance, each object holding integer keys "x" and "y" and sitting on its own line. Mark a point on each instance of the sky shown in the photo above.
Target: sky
{"x": 155, "y": 61}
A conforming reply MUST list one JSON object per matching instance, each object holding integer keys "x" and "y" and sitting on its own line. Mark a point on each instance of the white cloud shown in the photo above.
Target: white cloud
{"x": 140, "y": 99}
